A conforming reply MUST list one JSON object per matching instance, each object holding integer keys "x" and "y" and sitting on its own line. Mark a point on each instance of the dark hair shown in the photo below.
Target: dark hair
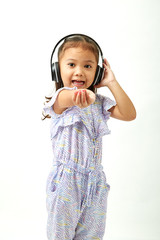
{"x": 78, "y": 41}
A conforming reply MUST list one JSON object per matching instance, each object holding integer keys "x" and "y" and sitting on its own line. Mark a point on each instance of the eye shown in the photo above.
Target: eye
{"x": 71, "y": 64}
{"x": 87, "y": 66}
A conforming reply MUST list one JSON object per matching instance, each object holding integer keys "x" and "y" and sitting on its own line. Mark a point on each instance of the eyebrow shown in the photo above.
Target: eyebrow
{"x": 72, "y": 59}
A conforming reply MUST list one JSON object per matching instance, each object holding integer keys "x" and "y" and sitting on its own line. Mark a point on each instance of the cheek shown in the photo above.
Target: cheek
{"x": 63, "y": 71}
{"x": 92, "y": 75}
{"x": 65, "y": 74}
{"x": 66, "y": 70}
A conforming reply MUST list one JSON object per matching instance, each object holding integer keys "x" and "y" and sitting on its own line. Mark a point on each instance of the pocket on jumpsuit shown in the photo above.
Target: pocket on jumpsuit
{"x": 106, "y": 189}
{"x": 54, "y": 182}
{"x": 107, "y": 186}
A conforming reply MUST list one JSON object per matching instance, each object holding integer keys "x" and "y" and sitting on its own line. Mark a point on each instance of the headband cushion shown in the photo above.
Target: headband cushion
{"x": 98, "y": 75}
{"x": 56, "y": 76}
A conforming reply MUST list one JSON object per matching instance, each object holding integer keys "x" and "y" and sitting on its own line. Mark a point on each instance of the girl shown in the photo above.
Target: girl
{"x": 76, "y": 187}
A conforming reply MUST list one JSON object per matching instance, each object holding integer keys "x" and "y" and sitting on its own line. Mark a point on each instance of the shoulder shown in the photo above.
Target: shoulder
{"x": 101, "y": 99}
{"x": 104, "y": 105}
{"x": 98, "y": 104}
{"x": 105, "y": 101}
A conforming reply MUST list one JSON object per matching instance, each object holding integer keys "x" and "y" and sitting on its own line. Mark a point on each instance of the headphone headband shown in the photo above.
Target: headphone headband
{"x": 76, "y": 34}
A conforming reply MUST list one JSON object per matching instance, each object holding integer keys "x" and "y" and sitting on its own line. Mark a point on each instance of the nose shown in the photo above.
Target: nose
{"x": 78, "y": 71}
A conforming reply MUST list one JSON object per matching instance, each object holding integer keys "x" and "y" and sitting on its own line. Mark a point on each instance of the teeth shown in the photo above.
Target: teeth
{"x": 78, "y": 82}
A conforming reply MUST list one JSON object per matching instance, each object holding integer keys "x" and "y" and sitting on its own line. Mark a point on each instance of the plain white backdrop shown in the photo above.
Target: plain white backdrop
{"x": 128, "y": 33}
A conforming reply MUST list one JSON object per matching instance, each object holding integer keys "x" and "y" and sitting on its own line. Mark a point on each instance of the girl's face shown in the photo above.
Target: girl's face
{"x": 77, "y": 67}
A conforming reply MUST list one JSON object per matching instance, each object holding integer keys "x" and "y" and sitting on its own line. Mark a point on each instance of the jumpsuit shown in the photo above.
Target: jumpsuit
{"x": 76, "y": 186}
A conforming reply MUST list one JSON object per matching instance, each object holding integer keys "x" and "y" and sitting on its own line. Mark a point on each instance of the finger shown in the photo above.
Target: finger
{"x": 87, "y": 97}
{"x": 107, "y": 63}
{"x": 106, "y": 67}
{"x": 78, "y": 98}
{"x": 83, "y": 96}
{"x": 85, "y": 103}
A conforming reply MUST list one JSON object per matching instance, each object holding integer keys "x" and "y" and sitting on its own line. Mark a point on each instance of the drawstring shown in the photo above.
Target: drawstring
{"x": 91, "y": 187}
{"x": 92, "y": 184}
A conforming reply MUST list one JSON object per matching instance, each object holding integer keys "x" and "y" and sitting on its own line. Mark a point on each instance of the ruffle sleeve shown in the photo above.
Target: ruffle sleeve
{"x": 105, "y": 103}
{"x": 48, "y": 109}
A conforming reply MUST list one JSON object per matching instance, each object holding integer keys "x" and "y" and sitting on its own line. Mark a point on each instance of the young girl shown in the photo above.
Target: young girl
{"x": 76, "y": 187}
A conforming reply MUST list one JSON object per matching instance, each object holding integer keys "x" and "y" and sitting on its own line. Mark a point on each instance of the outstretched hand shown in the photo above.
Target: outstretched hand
{"x": 83, "y": 98}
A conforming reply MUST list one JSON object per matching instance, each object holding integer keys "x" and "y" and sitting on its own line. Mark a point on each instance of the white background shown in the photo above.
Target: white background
{"x": 128, "y": 33}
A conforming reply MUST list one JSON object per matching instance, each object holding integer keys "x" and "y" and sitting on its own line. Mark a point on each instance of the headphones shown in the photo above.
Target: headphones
{"x": 55, "y": 70}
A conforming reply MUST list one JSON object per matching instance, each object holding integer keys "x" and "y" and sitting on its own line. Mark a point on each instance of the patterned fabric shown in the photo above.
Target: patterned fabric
{"x": 76, "y": 187}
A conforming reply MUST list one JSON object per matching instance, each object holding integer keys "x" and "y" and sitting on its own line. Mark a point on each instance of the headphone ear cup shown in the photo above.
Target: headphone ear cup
{"x": 56, "y": 76}
{"x": 98, "y": 75}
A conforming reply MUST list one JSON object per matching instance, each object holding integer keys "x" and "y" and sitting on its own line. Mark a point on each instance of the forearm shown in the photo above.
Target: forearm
{"x": 65, "y": 98}
{"x": 68, "y": 98}
{"x": 124, "y": 104}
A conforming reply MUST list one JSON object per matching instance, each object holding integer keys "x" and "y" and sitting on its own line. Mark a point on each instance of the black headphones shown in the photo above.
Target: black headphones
{"x": 55, "y": 70}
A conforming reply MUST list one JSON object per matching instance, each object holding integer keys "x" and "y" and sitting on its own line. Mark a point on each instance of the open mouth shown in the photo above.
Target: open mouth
{"x": 78, "y": 83}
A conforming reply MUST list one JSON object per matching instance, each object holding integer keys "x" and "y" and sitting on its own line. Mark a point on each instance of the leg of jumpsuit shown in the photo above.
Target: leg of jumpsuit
{"x": 92, "y": 222}
{"x": 71, "y": 213}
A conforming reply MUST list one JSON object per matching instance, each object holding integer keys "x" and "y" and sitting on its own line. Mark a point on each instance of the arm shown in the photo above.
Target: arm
{"x": 66, "y": 98}
{"x": 124, "y": 110}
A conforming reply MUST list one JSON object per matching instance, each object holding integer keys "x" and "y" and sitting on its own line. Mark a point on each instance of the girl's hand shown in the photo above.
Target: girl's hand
{"x": 108, "y": 75}
{"x": 83, "y": 98}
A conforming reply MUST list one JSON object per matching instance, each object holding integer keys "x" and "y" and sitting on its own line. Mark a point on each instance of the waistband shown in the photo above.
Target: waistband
{"x": 79, "y": 168}
{"x": 91, "y": 172}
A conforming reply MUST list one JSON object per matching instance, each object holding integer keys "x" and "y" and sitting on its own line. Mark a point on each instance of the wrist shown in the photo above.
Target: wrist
{"x": 111, "y": 83}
